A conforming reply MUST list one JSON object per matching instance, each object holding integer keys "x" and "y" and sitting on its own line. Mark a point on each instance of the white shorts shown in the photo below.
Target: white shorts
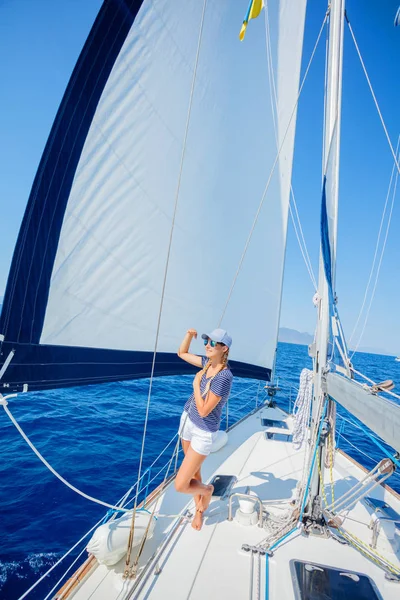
{"x": 200, "y": 440}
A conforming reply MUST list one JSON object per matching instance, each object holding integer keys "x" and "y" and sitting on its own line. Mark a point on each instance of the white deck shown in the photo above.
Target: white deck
{"x": 212, "y": 563}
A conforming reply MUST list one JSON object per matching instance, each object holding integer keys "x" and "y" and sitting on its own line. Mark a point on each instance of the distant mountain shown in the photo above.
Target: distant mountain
{"x": 292, "y": 336}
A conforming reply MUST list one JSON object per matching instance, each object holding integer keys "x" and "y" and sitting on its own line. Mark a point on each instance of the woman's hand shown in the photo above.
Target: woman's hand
{"x": 192, "y": 333}
{"x": 197, "y": 379}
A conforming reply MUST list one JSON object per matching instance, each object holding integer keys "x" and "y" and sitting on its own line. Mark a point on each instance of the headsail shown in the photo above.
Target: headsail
{"x": 84, "y": 291}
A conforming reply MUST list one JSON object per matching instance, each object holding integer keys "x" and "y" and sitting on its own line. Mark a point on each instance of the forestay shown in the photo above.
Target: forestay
{"x": 85, "y": 287}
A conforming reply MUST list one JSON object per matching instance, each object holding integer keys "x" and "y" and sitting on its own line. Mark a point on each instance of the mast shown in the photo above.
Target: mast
{"x": 333, "y": 102}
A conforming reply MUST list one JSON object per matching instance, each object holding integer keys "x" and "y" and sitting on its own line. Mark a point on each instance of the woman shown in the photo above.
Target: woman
{"x": 201, "y": 417}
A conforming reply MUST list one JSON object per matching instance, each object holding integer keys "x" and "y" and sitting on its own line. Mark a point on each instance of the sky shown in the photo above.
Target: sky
{"x": 39, "y": 44}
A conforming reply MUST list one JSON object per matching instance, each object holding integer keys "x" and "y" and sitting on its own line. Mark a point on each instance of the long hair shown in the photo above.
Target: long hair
{"x": 224, "y": 365}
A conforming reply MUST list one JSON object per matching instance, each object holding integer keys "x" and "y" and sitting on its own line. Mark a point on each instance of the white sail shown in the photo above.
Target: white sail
{"x": 108, "y": 274}
{"x": 106, "y": 283}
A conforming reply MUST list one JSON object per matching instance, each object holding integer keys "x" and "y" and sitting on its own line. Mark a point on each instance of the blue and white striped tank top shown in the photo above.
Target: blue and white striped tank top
{"x": 221, "y": 386}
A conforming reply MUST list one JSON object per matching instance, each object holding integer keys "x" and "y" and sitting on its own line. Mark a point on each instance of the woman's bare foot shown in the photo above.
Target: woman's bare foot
{"x": 197, "y": 522}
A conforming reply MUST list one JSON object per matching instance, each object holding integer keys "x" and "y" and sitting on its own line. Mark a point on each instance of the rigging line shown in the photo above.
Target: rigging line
{"x": 6, "y": 363}
{"x": 389, "y": 392}
{"x": 271, "y": 74}
{"x": 155, "y": 477}
{"x": 381, "y": 561}
{"x": 339, "y": 416}
{"x": 313, "y": 455}
{"x": 325, "y": 102}
{"x": 308, "y": 266}
{"x": 382, "y": 448}
{"x": 3, "y": 402}
{"x": 370, "y": 477}
{"x": 274, "y": 109}
{"x": 249, "y": 402}
{"x": 379, "y": 445}
{"x": 121, "y": 505}
{"x": 379, "y": 266}
{"x": 373, "y": 96}
{"x": 274, "y": 106}
{"x": 357, "y": 448}
{"x": 169, "y": 250}
{"x": 246, "y": 389}
{"x": 377, "y": 245}
{"x": 70, "y": 550}
{"x": 308, "y": 261}
{"x": 124, "y": 500}
{"x": 272, "y": 172}
{"x": 133, "y": 569}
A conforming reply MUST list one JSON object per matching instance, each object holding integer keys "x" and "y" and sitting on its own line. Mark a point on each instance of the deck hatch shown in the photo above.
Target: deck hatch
{"x": 273, "y": 423}
{"x": 319, "y": 582}
{"x": 278, "y": 437}
{"x": 223, "y": 484}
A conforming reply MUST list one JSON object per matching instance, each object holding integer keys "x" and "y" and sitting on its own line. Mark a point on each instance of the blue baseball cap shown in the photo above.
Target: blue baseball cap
{"x": 219, "y": 335}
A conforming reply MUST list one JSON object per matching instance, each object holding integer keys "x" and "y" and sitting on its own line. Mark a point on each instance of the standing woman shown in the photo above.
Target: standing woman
{"x": 201, "y": 417}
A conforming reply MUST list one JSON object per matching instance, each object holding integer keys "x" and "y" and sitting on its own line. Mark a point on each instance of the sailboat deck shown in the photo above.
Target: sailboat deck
{"x": 212, "y": 561}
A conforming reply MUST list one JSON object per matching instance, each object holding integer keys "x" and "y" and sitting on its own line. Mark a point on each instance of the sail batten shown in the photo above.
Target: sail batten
{"x": 90, "y": 259}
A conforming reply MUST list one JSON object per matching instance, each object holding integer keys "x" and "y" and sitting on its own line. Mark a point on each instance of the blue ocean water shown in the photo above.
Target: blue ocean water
{"x": 92, "y": 436}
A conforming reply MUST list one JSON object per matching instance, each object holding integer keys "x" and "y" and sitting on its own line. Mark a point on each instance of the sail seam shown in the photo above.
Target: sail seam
{"x": 375, "y": 255}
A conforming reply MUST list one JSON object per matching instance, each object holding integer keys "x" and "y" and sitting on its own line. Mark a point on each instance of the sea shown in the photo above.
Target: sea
{"x": 92, "y": 436}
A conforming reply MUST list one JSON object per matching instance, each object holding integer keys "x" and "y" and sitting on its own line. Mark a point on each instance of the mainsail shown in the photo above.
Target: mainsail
{"x": 165, "y": 133}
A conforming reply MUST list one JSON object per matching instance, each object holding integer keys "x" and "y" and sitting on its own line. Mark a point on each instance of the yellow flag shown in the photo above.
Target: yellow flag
{"x": 255, "y": 7}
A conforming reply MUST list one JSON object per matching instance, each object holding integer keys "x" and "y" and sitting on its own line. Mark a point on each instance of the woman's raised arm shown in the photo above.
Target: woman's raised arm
{"x": 183, "y": 351}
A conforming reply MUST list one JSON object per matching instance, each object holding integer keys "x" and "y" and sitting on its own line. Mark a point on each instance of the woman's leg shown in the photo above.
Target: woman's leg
{"x": 198, "y": 517}
{"x": 185, "y": 481}
{"x": 197, "y": 475}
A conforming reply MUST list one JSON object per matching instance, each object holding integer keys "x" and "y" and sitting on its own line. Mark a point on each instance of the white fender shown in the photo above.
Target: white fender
{"x": 109, "y": 542}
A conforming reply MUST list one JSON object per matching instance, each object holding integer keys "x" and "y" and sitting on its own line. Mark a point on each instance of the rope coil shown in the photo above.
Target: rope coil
{"x": 301, "y": 409}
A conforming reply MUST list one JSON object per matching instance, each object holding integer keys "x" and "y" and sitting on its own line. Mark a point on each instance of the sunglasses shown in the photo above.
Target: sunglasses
{"x": 212, "y": 343}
